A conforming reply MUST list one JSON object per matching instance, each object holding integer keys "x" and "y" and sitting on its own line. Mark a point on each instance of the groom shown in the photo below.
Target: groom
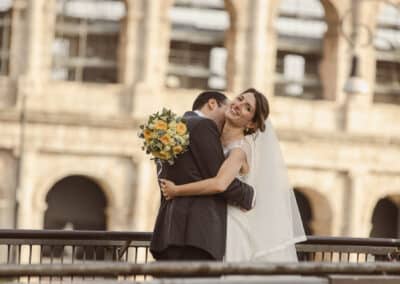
{"x": 194, "y": 227}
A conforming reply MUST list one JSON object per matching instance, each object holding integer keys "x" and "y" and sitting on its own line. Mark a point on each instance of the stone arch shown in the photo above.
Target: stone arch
{"x": 385, "y": 49}
{"x": 305, "y": 210}
{"x": 327, "y": 4}
{"x": 370, "y": 205}
{"x": 385, "y": 218}
{"x": 332, "y": 17}
{"x": 380, "y": 5}
{"x": 322, "y": 212}
{"x": 78, "y": 202}
{"x": 331, "y": 49}
{"x": 104, "y": 46}
{"x": 39, "y": 197}
{"x": 231, "y": 8}
{"x": 116, "y": 175}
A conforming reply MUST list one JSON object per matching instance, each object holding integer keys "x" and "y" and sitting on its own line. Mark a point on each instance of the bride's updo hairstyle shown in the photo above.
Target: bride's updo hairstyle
{"x": 261, "y": 113}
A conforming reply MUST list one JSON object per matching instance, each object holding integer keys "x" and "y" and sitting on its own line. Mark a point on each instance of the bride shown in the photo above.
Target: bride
{"x": 269, "y": 231}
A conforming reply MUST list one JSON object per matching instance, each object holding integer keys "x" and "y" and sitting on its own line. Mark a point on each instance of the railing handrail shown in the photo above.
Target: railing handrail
{"x": 74, "y": 235}
{"x": 204, "y": 269}
{"x": 146, "y": 236}
{"x": 352, "y": 241}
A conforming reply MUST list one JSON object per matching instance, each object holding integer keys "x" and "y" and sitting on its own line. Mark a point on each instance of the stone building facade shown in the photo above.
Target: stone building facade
{"x": 76, "y": 85}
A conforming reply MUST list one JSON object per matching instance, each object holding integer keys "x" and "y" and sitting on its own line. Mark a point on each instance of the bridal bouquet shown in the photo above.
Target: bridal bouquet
{"x": 165, "y": 136}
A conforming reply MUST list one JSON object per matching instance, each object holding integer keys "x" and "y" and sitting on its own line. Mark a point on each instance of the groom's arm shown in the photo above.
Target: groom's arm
{"x": 206, "y": 148}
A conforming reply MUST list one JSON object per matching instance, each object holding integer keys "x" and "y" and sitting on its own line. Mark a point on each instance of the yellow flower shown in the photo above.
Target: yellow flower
{"x": 147, "y": 134}
{"x": 165, "y": 136}
{"x": 165, "y": 139}
{"x": 160, "y": 125}
{"x": 181, "y": 128}
{"x": 177, "y": 149}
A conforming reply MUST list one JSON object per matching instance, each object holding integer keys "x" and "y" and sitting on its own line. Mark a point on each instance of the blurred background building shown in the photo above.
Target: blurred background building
{"x": 77, "y": 77}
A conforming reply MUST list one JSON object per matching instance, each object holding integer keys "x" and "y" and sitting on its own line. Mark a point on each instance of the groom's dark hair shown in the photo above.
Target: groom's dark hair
{"x": 204, "y": 97}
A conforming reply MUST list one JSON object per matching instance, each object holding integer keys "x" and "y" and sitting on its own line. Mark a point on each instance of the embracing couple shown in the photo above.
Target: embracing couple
{"x": 228, "y": 197}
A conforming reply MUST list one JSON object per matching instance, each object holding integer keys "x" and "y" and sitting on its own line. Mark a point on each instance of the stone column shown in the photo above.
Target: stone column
{"x": 251, "y": 45}
{"x": 236, "y": 44}
{"x": 121, "y": 193}
{"x": 257, "y": 44}
{"x": 333, "y": 66}
{"x": 30, "y": 213}
{"x": 357, "y": 105}
{"x": 38, "y": 15}
{"x": 152, "y": 44}
{"x": 17, "y": 49}
{"x": 8, "y": 174}
{"x": 354, "y": 220}
{"x": 147, "y": 196}
{"x": 361, "y": 45}
{"x": 39, "y": 34}
{"x": 40, "y": 18}
{"x": 152, "y": 62}
{"x": 129, "y": 38}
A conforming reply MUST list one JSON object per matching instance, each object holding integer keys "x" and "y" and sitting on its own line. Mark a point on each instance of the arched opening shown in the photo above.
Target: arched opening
{"x": 77, "y": 202}
{"x": 305, "y": 211}
{"x": 5, "y": 36}
{"x": 300, "y": 27}
{"x": 387, "y": 49}
{"x": 385, "y": 219}
{"x": 87, "y": 36}
{"x": 197, "y": 53}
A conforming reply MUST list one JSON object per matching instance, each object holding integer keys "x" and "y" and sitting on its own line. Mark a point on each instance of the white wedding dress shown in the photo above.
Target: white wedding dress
{"x": 269, "y": 231}
{"x": 238, "y": 238}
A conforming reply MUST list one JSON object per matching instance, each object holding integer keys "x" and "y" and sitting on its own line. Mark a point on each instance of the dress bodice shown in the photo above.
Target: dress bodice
{"x": 238, "y": 239}
{"x": 244, "y": 145}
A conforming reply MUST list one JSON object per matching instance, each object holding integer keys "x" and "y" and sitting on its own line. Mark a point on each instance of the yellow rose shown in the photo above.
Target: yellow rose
{"x": 177, "y": 149}
{"x": 181, "y": 128}
{"x": 147, "y": 134}
{"x": 165, "y": 139}
{"x": 160, "y": 125}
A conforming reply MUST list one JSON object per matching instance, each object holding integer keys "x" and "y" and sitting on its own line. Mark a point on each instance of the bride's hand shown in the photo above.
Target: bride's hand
{"x": 168, "y": 188}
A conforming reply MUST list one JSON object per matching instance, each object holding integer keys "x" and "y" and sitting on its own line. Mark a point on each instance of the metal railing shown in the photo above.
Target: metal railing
{"x": 58, "y": 246}
{"x": 57, "y": 255}
{"x": 104, "y": 272}
{"x": 344, "y": 249}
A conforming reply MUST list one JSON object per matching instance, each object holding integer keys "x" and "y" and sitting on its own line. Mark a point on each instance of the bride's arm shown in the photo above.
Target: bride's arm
{"x": 226, "y": 174}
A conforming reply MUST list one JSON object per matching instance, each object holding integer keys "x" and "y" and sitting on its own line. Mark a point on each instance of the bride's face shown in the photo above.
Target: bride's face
{"x": 241, "y": 110}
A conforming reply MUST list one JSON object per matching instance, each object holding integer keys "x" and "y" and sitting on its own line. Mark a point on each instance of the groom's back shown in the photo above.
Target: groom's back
{"x": 185, "y": 168}
{"x": 193, "y": 221}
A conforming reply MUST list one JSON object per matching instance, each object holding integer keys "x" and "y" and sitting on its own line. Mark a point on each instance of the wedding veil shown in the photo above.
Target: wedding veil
{"x": 275, "y": 224}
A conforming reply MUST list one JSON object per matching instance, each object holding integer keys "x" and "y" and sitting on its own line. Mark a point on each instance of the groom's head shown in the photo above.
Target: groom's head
{"x": 213, "y": 105}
